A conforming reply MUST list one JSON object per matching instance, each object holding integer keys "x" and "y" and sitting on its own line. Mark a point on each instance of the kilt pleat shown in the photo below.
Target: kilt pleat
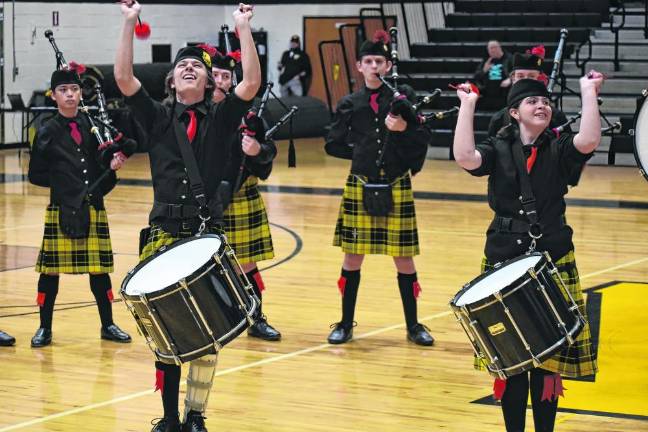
{"x": 246, "y": 224}
{"x": 396, "y": 234}
{"x": 60, "y": 254}
{"x": 579, "y": 359}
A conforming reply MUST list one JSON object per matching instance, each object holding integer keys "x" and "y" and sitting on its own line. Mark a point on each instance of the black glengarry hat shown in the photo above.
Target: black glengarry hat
{"x": 377, "y": 46}
{"x": 64, "y": 76}
{"x": 195, "y": 53}
{"x": 527, "y": 61}
{"x": 525, "y": 88}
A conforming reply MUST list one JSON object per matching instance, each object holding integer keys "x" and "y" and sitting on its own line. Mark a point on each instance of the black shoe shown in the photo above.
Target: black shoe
{"x": 341, "y": 333}
{"x": 262, "y": 330}
{"x": 6, "y": 340}
{"x": 195, "y": 422}
{"x": 43, "y": 337}
{"x": 166, "y": 424}
{"x": 115, "y": 334}
{"x": 419, "y": 334}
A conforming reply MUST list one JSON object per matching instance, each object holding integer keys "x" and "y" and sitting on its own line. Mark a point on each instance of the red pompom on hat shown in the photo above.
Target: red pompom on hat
{"x": 76, "y": 67}
{"x": 142, "y": 30}
{"x": 538, "y": 50}
{"x": 381, "y": 36}
{"x": 236, "y": 55}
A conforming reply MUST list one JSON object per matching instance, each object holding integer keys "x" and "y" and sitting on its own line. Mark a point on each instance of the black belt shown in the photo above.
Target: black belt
{"x": 510, "y": 225}
{"x": 173, "y": 211}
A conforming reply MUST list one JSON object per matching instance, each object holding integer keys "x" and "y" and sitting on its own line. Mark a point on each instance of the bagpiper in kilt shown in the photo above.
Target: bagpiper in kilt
{"x": 177, "y": 205}
{"x": 377, "y": 214}
{"x": 245, "y": 219}
{"x": 530, "y": 169}
{"x": 76, "y": 240}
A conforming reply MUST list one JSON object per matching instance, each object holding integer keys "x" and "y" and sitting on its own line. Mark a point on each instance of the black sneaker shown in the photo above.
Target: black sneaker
{"x": 195, "y": 422}
{"x": 262, "y": 330}
{"x": 166, "y": 424}
{"x": 341, "y": 333}
{"x": 420, "y": 335}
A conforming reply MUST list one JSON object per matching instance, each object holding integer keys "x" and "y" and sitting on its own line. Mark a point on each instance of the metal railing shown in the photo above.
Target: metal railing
{"x": 582, "y": 64}
{"x": 615, "y": 29}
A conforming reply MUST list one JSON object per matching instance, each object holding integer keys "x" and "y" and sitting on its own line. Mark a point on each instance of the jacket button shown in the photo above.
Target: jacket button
{"x": 521, "y": 212}
{"x": 183, "y": 197}
{"x": 377, "y": 130}
{"x": 86, "y": 182}
{"x": 184, "y": 181}
{"x": 378, "y": 141}
{"x": 82, "y": 160}
{"x": 85, "y": 171}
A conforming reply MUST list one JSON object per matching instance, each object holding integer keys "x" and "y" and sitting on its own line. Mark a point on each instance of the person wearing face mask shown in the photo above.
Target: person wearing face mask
{"x": 245, "y": 220}
{"x": 526, "y": 147}
{"x": 368, "y": 123}
{"x": 294, "y": 70}
{"x": 174, "y": 216}
{"x": 66, "y": 158}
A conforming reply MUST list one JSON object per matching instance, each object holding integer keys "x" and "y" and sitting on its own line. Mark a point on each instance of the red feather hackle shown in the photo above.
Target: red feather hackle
{"x": 381, "y": 36}
{"x": 538, "y": 50}
{"x": 79, "y": 68}
{"x": 210, "y": 49}
{"x": 236, "y": 55}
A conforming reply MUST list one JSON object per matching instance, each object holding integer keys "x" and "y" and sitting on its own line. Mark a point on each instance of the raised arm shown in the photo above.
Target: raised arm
{"x": 589, "y": 136}
{"x": 464, "y": 137}
{"x": 251, "y": 82}
{"x": 126, "y": 81}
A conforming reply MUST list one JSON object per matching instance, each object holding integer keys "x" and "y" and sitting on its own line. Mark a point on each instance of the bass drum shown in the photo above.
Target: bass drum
{"x": 641, "y": 134}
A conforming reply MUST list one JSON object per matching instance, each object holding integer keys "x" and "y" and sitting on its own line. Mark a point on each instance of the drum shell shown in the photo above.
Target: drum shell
{"x": 532, "y": 315}
{"x": 184, "y": 322}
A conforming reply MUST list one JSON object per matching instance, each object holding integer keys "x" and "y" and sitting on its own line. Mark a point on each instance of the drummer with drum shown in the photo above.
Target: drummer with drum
{"x": 529, "y": 170}
{"x": 182, "y": 206}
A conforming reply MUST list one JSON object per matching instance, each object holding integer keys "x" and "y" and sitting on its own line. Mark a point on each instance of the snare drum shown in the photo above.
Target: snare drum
{"x": 640, "y": 133}
{"x": 190, "y": 299}
{"x": 518, "y": 314}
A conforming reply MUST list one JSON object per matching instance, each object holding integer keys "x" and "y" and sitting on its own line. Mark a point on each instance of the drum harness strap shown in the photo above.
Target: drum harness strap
{"x": 195, "y": 182}
{"x": 527, "y": 199}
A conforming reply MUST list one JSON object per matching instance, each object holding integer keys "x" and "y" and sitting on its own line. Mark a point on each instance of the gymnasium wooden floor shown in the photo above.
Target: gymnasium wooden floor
{"x": 379, "y": 382}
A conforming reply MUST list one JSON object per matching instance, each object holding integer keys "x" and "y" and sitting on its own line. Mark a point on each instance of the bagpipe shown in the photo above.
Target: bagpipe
{"x": 111, "y": 141}
{"x": 400, "y": 105}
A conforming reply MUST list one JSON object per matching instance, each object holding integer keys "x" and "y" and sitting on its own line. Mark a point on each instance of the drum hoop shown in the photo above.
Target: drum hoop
{"x": 542, "y": 262}
{"x": 175, "y": 244}
{"x": 641, "y": 105}
{"x": 544, "y": 355}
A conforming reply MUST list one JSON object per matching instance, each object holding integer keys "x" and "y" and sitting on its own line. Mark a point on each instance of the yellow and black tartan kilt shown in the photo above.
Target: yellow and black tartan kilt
{"x": 396, "y": 234}
{"x": 60, "y": 254}
{"x": 579, "y": 359}
{"x": 246, "y": 224}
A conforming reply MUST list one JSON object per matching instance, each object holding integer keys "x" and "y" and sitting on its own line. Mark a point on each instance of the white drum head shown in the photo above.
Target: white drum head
{"x": 641, "y": 138}
{"x": 172, "y": 265}
{"x": 499, "y": 279}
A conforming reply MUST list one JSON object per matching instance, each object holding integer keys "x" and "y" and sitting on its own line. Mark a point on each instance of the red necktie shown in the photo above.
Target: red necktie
{"x": 192, "y": 126}
{"x": 373, "y": 102}
{"x": 75, "y": 133}
{"x": 532, "y": 158}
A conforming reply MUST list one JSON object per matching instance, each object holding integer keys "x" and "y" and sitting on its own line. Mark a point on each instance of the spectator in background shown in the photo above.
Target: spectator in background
{"x": 492, "y": 75}
{"x": 294, "y": 70}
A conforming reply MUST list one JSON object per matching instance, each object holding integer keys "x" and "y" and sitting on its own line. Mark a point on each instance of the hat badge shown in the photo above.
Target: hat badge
{"x": 206, "y": 58}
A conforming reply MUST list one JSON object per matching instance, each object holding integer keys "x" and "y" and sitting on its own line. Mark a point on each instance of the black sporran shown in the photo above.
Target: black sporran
{"x": 377, "y": 198}
{"x": 75, "y": 222}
